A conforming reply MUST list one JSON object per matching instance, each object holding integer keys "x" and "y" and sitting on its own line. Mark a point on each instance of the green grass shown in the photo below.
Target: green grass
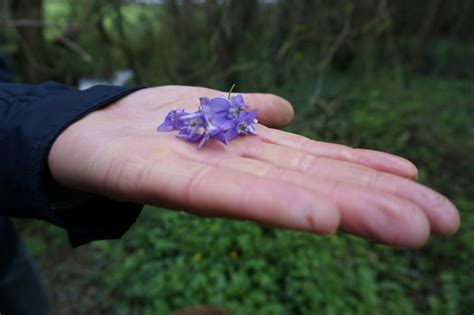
{"x": 171, "y": 260}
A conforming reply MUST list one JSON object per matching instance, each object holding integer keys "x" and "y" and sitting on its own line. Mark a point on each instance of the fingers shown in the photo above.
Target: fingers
{"x": 210, "y": 191}
{"x": 443, "y": 216}
{"x": 376, "y": 215}
{"x": 377, "y": 160}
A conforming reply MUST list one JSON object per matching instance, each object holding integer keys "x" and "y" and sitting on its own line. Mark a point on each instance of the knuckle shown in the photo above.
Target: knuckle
{"x": 306, "y": 162}
{"x": 346, "y": 153}
{"x": 374, "y": 178}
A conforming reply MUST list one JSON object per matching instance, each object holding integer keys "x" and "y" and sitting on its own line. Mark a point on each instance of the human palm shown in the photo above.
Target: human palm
{"x": 275, "y": 178}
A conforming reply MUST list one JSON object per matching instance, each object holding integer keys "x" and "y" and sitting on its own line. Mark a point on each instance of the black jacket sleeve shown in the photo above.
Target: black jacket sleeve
{"x": 31, "y": 118}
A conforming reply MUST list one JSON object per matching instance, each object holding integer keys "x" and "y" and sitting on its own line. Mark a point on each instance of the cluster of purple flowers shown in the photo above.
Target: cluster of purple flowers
{"x": 219, "y": 118}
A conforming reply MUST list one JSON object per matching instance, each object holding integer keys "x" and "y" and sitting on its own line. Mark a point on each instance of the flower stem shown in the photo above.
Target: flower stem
{"x": 230, "y": 91}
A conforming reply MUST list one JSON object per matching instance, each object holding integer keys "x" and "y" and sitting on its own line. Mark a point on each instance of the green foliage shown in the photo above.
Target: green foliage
{"x": 369, "y": 95}
{"x": 172, "y": 260}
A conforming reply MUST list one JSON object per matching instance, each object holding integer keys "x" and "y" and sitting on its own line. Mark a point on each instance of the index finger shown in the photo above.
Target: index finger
{"x": 272, "y": 110}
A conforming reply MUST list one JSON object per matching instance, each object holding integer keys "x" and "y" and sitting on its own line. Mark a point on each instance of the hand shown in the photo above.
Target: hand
{"x": 275, "y": 178}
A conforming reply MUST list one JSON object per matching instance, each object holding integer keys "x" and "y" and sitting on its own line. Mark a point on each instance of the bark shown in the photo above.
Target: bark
{"x": 32, "y": 58}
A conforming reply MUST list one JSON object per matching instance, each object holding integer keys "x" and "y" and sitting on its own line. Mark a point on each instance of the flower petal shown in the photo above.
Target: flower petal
{"x": 249, "y": 117}
{"x": 231, "y": 134}
{"x": 167, "y": 125}
{"x": 188, "y": 135}
{"x": 251, "y": 130}
{"x": 219, "y": 104}
{"x": 203, "y": 100}
{"x": 221, "y": 137}
{"x": 191, "y": 116}
{"x": 172, "y": 120}
{"x": 238, "y": 100}
{"x": 203, "y": 140}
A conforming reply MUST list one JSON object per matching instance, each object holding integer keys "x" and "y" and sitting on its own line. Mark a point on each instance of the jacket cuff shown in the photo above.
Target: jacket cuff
{"x": 44, "y": 112}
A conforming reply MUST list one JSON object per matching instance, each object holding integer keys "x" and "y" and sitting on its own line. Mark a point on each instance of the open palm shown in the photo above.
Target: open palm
{"x": 275, "y": 178}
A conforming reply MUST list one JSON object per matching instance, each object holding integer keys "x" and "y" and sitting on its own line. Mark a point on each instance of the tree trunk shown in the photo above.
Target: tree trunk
{"x": 31, "y": 55}
{"x": 234, "y": 21}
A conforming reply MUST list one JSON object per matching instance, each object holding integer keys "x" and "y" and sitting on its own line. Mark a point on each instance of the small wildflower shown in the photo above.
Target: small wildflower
{"x": 198, "y": 256}
{"x": 219, "y": 118}
{"x": 242, "y": 125}
{"x": 191, "y": 124}
{"x": 172, "y": 120}
{"x": 234, "y": 254}
{"x": 237, "y": 106}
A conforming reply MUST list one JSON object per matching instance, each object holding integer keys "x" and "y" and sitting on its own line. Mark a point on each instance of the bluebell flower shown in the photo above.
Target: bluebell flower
{"x": 242, "y": 125}
{"x": 172, "y": 121}
{"x": 213, "y": 126}
{"x": 237, "y": 107}
{"x": 219, "y": 118}
{"x": 212, "y": 132}
{"x": 191, "y": 126}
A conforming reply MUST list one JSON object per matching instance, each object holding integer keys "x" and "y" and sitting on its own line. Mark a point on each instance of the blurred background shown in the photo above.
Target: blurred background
{"x": 395, "y": 76}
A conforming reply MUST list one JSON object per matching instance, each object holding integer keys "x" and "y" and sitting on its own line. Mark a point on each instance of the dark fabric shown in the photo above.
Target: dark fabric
{"x": 21, "y": 290}
{"x": 19, "y": 277}
{"x": 31, "y": 118}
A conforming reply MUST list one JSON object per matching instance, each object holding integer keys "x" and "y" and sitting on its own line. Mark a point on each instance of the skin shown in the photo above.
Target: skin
{"x": 276, "y": 178}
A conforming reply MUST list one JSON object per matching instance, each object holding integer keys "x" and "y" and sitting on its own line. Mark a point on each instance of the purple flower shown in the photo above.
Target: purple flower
{"x": 215, "y": 132}
{"x": 191, "y": 125}
{"x": 214, "y": 127}
{"x": 223, "y": 111}
{"x": 216, "y": 105}
{"x": 242, "y": 125}
{"x": 237, "y": 107}
{"x": 172, "y": 121}
{"x": 215, "y": 110}
{"x": 219, "y": 118}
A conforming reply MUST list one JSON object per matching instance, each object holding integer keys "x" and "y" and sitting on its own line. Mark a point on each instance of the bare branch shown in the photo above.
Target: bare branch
{"x": 73, "y": 46}
{"x": 13, "y": 23}
{"x": 321, "y": 67}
